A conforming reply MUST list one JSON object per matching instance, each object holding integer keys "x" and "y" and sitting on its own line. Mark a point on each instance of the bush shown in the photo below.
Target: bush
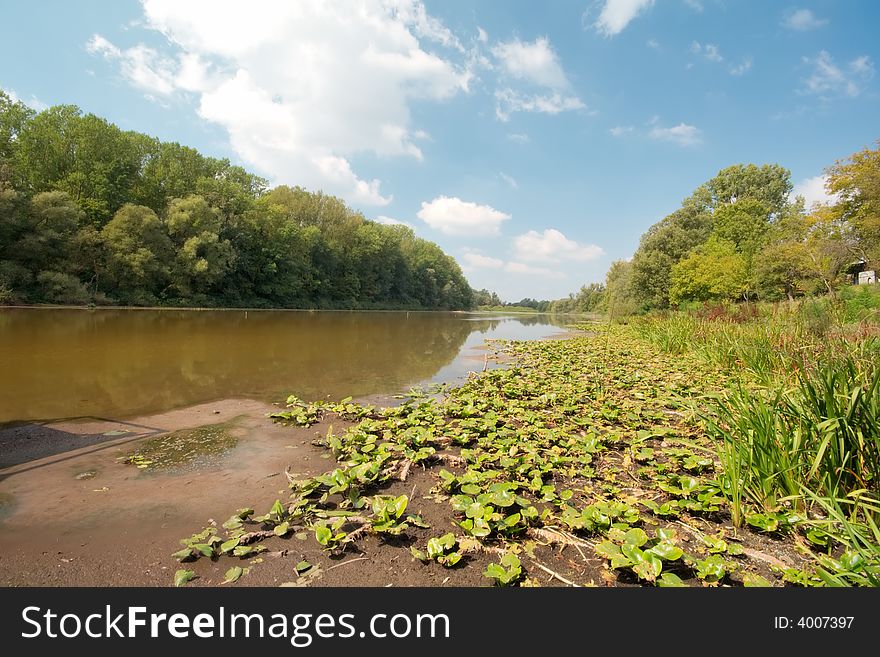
{"x": 56, "y": 287}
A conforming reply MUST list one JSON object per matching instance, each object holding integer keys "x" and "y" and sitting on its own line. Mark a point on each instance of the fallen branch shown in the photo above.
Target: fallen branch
{"x": 252, "y": 537}
{"x": 345, "y": 563}
{"x": 556, "y": 575}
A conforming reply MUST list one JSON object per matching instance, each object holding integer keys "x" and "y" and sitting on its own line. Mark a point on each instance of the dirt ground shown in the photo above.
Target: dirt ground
{"x": 73, "y": 513}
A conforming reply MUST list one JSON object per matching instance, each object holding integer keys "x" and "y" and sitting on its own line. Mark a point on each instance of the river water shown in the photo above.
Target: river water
{"x": 115, "y": 363}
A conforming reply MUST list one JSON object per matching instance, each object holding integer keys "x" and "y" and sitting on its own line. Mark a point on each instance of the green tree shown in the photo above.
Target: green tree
{"x": 713, "y": 271}
{"x": 139, "y": 254}
{"x": 202, "y": 257}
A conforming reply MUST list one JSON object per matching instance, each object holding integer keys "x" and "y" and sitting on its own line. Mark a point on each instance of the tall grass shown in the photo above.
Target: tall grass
{"x": 822, "y": 434}
{"x": 799, "y": 427}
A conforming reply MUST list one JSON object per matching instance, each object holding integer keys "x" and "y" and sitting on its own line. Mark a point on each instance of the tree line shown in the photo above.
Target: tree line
{"x": 90, "y": 213}
{"x": 741, "y": 236}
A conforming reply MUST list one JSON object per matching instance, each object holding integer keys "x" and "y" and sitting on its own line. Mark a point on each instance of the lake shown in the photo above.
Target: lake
{"x": 58, "y": 363}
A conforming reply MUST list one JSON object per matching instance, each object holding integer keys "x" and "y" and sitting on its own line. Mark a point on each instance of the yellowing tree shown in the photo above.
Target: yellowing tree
{"x": 712, "y": 271}
{"x": 857, "y": 183}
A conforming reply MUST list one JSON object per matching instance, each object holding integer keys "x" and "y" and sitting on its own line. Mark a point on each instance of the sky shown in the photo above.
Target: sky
{"x": 534, "y": 142}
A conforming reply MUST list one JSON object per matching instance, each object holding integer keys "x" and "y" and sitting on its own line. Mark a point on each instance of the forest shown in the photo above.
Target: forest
{"x": 92, "y": 214}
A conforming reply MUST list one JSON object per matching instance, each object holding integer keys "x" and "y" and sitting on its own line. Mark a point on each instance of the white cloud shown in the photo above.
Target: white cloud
{"x": 302, "y": 87}
{"x": 518, "y": 137}
{"x": 742, "y": 68}
{"x": 453, "y": 216}
{"x": 620, "y": 130}
{"x": 475, "y": 260}
{"x": 696, "y": 5}
{"x": 534, "y": 62}
{"x": 681, "y": 134}
{"x": 482, "y": 37}
{"x": 33, "y": 102}
{"x": 143, "y": 67}
{"x": 617, "y": 14}
{"x": 510, "y": 180}
{"x": 813, "y": 191}
{"x": 653, "y": 43}
{"x": 509, "y": 101}
{"x": 521, "y": 268}
{"x": 802, "y": 20}
{"x": 827, "y": 79}
{"x": 391, "y": 221}
{"x": 708, "y": 50}
{"x": 552, "y": 246}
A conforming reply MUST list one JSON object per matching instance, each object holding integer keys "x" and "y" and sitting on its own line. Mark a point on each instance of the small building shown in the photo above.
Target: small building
{"x": 868, "y": 277}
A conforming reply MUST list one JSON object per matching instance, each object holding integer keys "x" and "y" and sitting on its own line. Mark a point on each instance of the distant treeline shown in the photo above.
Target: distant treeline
{"x": 90, "y": 213}
{"x": 741, "y": 237}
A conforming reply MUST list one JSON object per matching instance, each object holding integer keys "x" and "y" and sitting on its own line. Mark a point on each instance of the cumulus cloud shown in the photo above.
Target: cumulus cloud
{"x": 472, "y": 260}
{"x": 827, "y": 79}
{"x": 302, "y": 87}
{"x": 518, "y": 137}
{"x": 813, "y": 191}
{"x": 391, "y": 221}
{"x": 620, "y": 130}
{"x": 802, "y": 20}
{"x": 142, "y": 66}
{"x": 681, "y": 134}
{"x": 510, "y": 101}
{"x": 452, "y": 216}
{"x": 617, "y": 14}
{"x": 534, "y": 62}
{"x": 552, "y": 246}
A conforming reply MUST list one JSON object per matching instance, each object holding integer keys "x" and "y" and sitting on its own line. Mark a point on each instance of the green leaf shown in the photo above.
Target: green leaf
{"x": 399, "y": 504}
{"x": 636, "y": 537}
{"x": 450, "y": 559}
{"x": 205, "y": 549}
{"x": 281, "y": 529}
{"x": 181, "y": 555}
{"x": 504, "y": 498}
{"x": 667, "y": 551}
{"x": 323, "y": 534}
{"x": 228, "y": 546}
{"x": 182, "y": 576}
{"x": 232, "y": 575}
{"x": 670, "y": 580}
{"x": 302, "y": 567}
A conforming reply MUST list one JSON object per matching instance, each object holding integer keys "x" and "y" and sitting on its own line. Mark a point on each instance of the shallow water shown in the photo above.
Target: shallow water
{"x": 117, "y": 363}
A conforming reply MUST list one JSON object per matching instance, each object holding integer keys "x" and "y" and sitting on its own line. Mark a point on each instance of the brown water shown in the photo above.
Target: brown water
{"x": 117, "y": 363}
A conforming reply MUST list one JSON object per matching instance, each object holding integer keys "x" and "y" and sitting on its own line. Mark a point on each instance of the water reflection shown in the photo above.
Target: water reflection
{"x": 118, "y": 363}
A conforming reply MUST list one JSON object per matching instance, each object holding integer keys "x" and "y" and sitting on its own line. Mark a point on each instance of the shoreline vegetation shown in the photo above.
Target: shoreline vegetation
{"x": 95, "y": 214}
{"x": 734, "y": 448}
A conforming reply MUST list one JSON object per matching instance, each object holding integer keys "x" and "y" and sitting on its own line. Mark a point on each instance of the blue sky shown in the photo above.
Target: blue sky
{"x": 534, "y": 142}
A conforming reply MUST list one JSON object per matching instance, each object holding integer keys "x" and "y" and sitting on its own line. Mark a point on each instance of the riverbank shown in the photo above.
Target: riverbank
{"x": 586, "y": 462}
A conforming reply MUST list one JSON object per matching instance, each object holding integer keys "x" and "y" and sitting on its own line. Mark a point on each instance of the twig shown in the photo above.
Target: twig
{"x": 556, "y": 575}
{"x": 450, "y": 460}
{"x": 345, "y": 563}
{"x": 251, "y": 537}
{"x": 404, "y": 469}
